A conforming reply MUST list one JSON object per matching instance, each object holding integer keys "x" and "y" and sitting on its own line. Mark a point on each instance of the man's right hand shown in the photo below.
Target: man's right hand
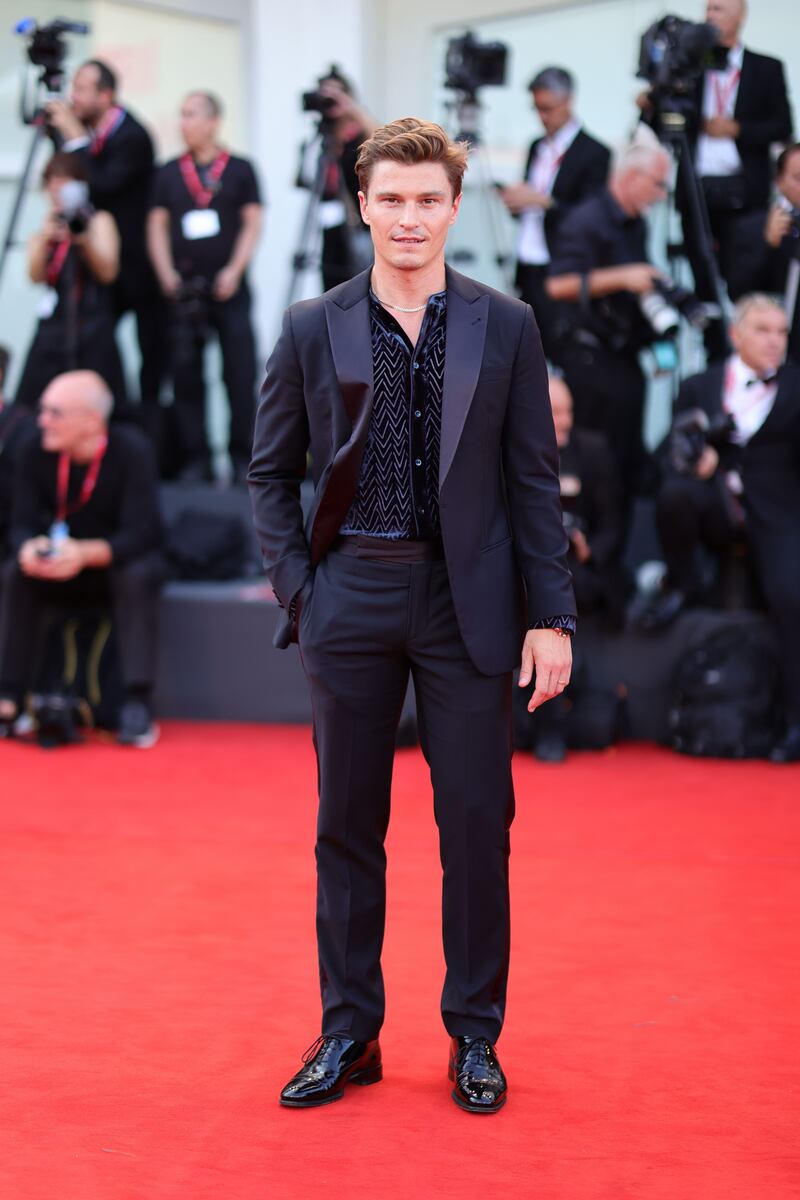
{"x": 29, "y": 557}
{"x": 778, "y": 226}
{"x": 707, "y": 463}
{"x": 170, "y": 282}
{"x": 639, "y": 277}
{"x": 520, "y": 196}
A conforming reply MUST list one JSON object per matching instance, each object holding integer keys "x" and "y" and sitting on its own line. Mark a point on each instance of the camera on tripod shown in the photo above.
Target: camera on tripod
{"x": 317, "y": 101}
{"x": 47, "y": 49}
{"x": 692, "y": 432}
{"x": 470, "y": 64}
{"x": 668, "y": 302}
{"x": 673, "y": 55}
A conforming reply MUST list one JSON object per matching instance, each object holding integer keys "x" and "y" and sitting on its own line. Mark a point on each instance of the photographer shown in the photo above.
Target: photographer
{"x": 598, "y": 275}
{"x": 85, "y": 529}
{"x": 770, "y": 259}
{"x": 202, "y": 233}
{"x": 734, "y": 470}
{"x": 562, "y": 168}
{"x": 76, "y": 257}
{"x": 345, "y": 124}
{"x": 117, "y": 154}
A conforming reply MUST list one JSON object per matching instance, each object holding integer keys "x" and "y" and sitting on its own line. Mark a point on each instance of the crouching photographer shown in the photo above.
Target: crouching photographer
{"x": 75, "y": 256}
{"x": 733, "y": 471}
{"x": 85, "y": 531}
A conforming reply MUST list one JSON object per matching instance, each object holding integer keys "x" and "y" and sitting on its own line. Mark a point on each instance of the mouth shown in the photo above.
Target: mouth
{"x": 408, "y": 241}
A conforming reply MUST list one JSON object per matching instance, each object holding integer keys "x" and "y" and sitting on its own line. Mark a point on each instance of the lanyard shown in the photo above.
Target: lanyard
{"x": 105, "y": 127}
{"x": 203, "y": 196}
{"x": 546, "y": 168}
{"x": 724, "y": 94}
{"x": 64, "y": 510}
{"x": 56, "y": 261}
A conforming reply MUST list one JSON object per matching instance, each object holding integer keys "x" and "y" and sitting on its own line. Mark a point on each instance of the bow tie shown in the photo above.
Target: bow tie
{"x": 766, "y": 381}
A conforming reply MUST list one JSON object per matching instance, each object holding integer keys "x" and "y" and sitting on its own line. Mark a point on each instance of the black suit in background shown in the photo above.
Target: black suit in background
{"x": 120, "y": 179}
{"x": 583, "y": 170}
{"x": 765, "y": 268}
{"x": 694, "y": 512}
{"x": 763, "y": 112}
{"x": 455, "y": 622}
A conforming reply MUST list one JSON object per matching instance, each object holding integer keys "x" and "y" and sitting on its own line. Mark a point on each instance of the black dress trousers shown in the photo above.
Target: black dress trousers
{"x": 365, "y": 624}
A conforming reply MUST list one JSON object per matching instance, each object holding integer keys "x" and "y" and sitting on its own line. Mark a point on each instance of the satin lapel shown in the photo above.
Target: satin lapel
{"x": 466, "y": 336}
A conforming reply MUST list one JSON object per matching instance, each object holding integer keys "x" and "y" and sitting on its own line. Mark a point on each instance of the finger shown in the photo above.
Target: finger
{"x": 526, "y": 666}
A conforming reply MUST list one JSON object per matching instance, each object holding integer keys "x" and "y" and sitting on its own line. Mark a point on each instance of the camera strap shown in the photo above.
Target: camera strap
{"x": 203, "y": 195}
{"x": 107, "y": 125}
{"x": 56, "y": 260}
{"x": 64, "y": 510}
{"x": 723, "y": 93}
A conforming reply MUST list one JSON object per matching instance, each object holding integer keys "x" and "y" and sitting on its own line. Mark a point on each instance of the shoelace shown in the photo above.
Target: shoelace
{"x": 315, "y": 1047}
{"x": 477, "y": 1054}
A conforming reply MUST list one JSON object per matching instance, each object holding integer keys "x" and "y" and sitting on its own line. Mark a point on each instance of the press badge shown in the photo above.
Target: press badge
{"x": 47, "y": 304}
{"x": 200, "y": 223}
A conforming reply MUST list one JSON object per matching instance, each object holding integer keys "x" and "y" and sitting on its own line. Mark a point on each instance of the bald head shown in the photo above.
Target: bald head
{"x": 74, "y": 411}
{"x": 728, "y": 16}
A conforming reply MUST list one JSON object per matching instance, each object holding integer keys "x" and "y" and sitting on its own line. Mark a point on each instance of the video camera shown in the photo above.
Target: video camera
{"x": 691, "y": 432}
{"x": 47, "y": 49}
{"x": 470, "y": 65}
{"x": 318, "y": 102}
{"x": 673, "y": 54}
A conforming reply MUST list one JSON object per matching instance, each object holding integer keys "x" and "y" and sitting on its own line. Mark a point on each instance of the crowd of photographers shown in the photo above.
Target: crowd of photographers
{"x": 172, "y": 244}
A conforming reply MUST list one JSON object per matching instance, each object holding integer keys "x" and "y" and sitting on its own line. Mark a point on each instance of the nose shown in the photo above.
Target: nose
{"x": 408, "y": 216}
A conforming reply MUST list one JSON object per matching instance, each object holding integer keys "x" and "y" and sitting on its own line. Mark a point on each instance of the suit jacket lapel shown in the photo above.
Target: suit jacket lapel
{"x": 467, "y": 315}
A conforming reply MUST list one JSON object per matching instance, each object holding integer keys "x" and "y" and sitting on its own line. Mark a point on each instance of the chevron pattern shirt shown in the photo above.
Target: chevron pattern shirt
{"x": 398, "y": 487}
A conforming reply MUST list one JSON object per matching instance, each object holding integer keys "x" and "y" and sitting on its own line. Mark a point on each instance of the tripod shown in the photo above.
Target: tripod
{"x": 467, "y": 111}
{"x": 306, "y": 255}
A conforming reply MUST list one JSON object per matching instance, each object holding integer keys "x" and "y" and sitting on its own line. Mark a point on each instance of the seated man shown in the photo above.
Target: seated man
{"x": 735, "y": 469}
{"x": 85, "y": 529}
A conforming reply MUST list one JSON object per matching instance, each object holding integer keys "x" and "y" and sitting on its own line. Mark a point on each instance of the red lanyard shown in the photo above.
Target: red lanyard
{"x": 722, "y": 95}
{"x": 203, "y": 196}
{"x": 105, "y": 127}
{"x": 545, "y": 182}
{"x": 64, "y": 510}
{"x": 55, "y": 263}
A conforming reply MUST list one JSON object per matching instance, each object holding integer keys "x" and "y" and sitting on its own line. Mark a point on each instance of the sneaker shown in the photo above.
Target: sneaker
{"x": 136, "y": 726}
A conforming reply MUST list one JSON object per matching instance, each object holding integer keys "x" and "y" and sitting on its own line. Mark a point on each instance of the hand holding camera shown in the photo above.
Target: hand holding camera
{"x": 61, "y": 118}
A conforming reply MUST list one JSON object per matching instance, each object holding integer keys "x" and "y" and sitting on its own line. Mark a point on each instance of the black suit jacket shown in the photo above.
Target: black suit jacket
{"x": 498, "y": 471}
{"x": 763, "y": 112}
{"x": 584, "y": 169}
{"x": 770, "y": 462}
{"x": 120, "y": 179}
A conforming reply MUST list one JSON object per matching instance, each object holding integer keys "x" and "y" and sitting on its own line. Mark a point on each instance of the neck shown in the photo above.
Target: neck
{"x": 205, "y": 153}
{"x": 93, "y": 122}
{"x": 730, "y": 42}
{"x": 85, "y": 450}
{"x": 407, "y": 288}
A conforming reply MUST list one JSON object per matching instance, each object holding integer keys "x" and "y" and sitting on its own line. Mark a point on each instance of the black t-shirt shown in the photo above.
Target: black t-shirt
{"x": 205, "y": 256}
{"x": 123, "y": 508}
{"x": 598, "y": 233}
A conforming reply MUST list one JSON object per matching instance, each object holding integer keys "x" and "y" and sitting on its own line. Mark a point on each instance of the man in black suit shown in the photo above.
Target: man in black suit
{"x": 118, "y": 154}
{"x": 747, "y": 482}
{"x": 770, "y": 254}
{"x": 562, "y": 168}
{"x": 743, "y": 110}
{"x": 434, "y": 541}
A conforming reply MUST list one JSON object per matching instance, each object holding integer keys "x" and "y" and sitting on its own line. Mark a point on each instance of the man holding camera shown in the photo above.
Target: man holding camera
{"x": 598, "y": 276}
{"x": 85, "y": 530}
{"x": 202, "y": 233}
{"x": 117, "y": 154}
{"x": 563, "y": 167}
{"x": 735, "y": 471}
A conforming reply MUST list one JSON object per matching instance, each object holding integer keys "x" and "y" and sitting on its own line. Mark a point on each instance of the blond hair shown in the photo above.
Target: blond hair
{"x": 412, "y": 141}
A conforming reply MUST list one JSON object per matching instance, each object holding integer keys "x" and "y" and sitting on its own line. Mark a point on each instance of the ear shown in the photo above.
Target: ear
{"x": 456, "y": 206}
{"x": 362, "y": 201}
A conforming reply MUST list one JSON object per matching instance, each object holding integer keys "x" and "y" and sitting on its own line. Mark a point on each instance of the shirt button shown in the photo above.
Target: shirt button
{"x": 417, "y": 462}
{"x": 417, "y": 412}
{"x": 416, "y": 366}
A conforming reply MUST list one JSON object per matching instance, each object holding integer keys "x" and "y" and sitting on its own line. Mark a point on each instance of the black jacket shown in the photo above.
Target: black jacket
{"x": 584, "y": 169}
{"x": 498, "y": 471}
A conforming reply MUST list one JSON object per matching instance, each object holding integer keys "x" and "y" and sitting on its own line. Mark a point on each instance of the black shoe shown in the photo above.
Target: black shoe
{"x": 330, "y": 1063}
{"x": 788, "y": 749}
{"x": 136, "y": 726}
{"x": 663, "y": 610}
{"x": 474, "y": 1068}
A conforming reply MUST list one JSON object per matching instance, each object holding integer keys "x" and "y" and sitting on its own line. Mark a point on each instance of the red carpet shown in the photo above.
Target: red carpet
{"x": 156, "y": 955}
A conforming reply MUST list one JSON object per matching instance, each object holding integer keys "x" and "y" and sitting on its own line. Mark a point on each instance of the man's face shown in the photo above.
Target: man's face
{"x": 728, "y": 16}
{"x": 789, "y": 179}
{"x": 198, "y": 126}
{"x": 553, "y": 108}
{"x": 561, "y": 406}
{"x": 648, "y": 185}
{"x": 760, "y": 339}
{"x": 65, "y": 419}
{"x": 88, "y": 101}
{"x": 409, "y": 209}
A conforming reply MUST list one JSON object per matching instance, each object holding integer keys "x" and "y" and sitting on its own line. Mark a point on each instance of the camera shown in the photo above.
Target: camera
{"x": 74, "y": 207}
{"x": 47, "y": 48}
{"x": 668, "y": 302}
{"x": 191, "y": 316}
{"x": 59, "y": 719}
{"x": 470, "y": 65}
{"x": 691, "y": 432}
{"x": 319, "y": 103}
{"x": 673, "y": 54}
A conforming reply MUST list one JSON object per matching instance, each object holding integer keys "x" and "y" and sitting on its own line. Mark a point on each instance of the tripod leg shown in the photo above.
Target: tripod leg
{"x": 22, "y": 187}
{"x": 310, "y": 228}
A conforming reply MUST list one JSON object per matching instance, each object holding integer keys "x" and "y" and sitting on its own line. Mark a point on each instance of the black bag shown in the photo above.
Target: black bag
{"x": 205, "y": 545}
{"x": 724, "y": 697}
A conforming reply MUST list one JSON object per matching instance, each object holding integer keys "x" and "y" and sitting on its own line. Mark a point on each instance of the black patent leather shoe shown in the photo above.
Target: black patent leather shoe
{"x": 480, "y": 1085}
{"x": 331, "y": 1063}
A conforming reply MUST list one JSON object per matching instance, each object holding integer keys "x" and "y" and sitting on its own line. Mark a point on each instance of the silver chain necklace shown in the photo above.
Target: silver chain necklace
{"x": 399, "y": 307}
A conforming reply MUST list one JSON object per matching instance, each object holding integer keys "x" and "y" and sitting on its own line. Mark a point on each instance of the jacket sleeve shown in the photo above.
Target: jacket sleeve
{"x": 278, "y": 468}
{"x": 139, "y": 528}
{"x": 777, "y": 125}
{"x": 530, "y": 463}
{"x": 118, "y": 167}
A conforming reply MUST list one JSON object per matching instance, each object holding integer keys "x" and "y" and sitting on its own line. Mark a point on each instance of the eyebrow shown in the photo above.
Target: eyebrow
{"x": 420, "y": 195}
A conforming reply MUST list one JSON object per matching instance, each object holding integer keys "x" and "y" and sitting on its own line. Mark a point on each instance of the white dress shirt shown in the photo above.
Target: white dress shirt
{"x": 532, "y": 244}
{"x": 748, "y": 399}
{"x": 719, "y": 156}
